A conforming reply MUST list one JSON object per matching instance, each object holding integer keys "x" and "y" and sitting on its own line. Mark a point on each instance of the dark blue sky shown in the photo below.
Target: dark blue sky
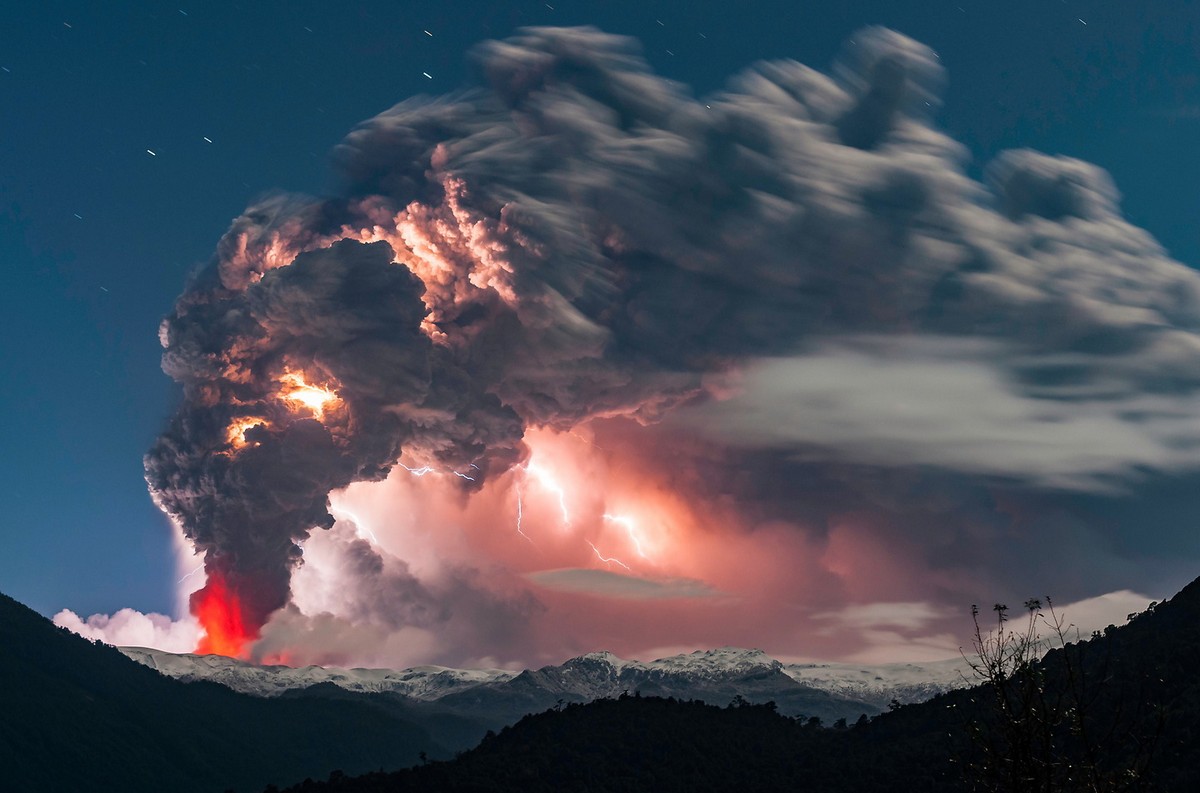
{"x": 98, "y": 235}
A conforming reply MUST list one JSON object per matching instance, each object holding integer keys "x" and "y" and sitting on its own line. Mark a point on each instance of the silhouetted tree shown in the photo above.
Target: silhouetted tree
{"x": 1048, "y": 723}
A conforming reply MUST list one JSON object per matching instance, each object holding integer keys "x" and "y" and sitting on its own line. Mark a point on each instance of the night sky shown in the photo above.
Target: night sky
{"x": 134, "y": 134}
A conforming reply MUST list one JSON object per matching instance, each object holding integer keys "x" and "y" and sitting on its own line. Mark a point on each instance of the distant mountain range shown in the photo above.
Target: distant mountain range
{"x": 77, "y": 715}
{"x": 498, "y": 697}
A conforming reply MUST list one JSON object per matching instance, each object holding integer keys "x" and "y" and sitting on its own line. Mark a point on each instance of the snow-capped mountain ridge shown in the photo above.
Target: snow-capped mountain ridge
{"x": 421, "y": 682}
{"x": 906, "y": 682}
{"x": 720, "y": 662}
{"x": 705, "y": 674}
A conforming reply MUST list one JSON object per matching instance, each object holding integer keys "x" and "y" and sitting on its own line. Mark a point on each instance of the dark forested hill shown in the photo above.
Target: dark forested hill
{"x": 80, "y": 716}
{"x": 654, "y": 744}
{"x": 1137, "y": 683}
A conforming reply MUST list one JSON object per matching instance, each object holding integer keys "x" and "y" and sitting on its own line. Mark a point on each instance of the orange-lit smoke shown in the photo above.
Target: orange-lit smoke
{"x": 456, "y": 252}
{"x": 300, "y": 394}
{"x": 235, "y": 433}
{"x": 220, "y": 613}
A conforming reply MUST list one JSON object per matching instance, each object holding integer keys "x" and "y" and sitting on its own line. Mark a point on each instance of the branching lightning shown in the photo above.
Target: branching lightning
{"x": 359, "y": 526}
{"x": 607, "y": 559}
{"x": 550, "y": 484}
{"x": 197, "y": 569}
{"x": 520, "y": 515}
{"x": 425, "y": 469}
{"x": 630, "y": 529}
{"x": 545, "y": 480}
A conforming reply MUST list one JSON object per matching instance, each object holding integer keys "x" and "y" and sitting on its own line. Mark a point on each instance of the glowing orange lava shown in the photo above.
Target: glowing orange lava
{"x": 298, "y": 392}
{"x": 219, "y": 611}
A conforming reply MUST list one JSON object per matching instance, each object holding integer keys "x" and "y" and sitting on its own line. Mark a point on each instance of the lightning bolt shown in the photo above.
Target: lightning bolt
{"x": 548, "y": 483}
{"x": 199, "y": 567}
{"x": 520, "y": 514}
{"x": 582, "y": 439}
{"x": 606, "y": 559}
{"x": 359, "y": 526}
{"x": 425, "y": 469}
{"x": 630, "y": 529}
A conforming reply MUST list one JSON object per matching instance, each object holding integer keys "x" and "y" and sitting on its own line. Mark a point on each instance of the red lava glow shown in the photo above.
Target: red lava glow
{"x": 219, "y": 611}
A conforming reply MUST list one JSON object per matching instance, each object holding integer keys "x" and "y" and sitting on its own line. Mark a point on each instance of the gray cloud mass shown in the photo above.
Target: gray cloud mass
{"x": 606, "y": 583}
{"x": 952, "y": 403}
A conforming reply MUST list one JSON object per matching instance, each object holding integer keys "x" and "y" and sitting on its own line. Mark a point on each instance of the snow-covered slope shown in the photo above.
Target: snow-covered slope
{"x": 422, "y": 682}
{"x": 714, "y": 675}
{"x": 884, "y": 682}
{"x": 722, "y": 662}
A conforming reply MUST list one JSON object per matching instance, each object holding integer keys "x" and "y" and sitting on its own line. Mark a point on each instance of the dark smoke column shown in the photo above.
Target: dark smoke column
{"x": 574, "y": 237}
{"x": 298, "y": 384}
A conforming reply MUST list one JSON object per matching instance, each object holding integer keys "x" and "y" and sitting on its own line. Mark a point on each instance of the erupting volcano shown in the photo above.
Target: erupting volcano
{"x": 219, "y": 611}
{"x": 575, "y": 334}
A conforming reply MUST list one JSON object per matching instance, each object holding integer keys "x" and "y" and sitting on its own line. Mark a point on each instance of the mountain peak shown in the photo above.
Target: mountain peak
{"x": 721, "y": 660}
{"x": 600, "y": 657}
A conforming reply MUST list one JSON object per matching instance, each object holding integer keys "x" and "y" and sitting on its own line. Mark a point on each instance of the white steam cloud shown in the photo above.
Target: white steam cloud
{"x": 130, "y": 628}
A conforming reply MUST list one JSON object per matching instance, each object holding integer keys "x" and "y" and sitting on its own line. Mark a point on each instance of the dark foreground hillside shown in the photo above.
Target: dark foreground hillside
{"x": 653, "y": 744}
{"x": 78, "y": 716}
{"x": 1138, "y": 684}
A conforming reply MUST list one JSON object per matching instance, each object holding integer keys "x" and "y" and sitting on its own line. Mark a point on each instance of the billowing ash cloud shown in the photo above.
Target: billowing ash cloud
{"x": 245, "y": 470}
{"x": 356, "y": 604}
{"x": 577, "y": 237}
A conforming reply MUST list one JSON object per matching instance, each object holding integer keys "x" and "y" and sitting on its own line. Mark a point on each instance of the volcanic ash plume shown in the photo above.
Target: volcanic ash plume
{"x": 579, "y": 239}
{"x": 316, "y": 376}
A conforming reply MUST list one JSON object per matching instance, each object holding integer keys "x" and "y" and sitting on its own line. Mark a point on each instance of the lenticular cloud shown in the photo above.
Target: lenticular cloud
{"x": 576, "y": 248}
